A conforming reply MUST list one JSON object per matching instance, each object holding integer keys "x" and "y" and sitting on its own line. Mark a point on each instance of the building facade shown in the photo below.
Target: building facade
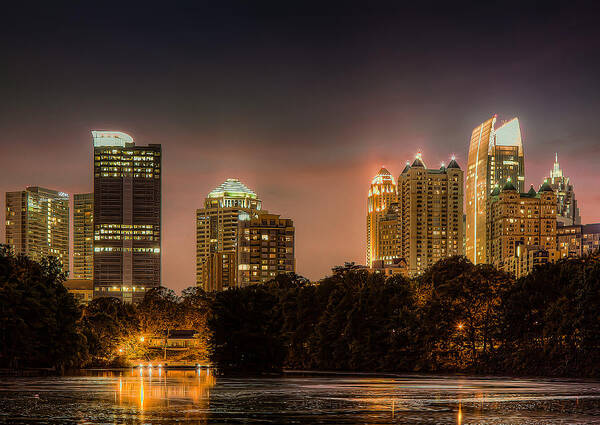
{"x": 382, "y": 194}
{"x": 83, "y": 236}
{"x": 430, "y": 204}
{"x": 388, "y": 236}
{"x": 567, "y": 212}
{"x": 37, "y": 224}
{"x": 127, "y": 216}
{"x": 520, "y": 223}
{"x": 217, "y": 232}
{"x": 265, "y": 248}
{"x": 578, "y": 240}
{"x": 219, "y": 271}
{"x": 495, "y": 155}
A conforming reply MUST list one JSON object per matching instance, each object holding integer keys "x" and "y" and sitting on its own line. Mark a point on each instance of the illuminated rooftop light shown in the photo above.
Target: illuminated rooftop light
{"x": 383, "y": 176}
{"x": 232, "y": 188}
{"x": 111, "y": 138}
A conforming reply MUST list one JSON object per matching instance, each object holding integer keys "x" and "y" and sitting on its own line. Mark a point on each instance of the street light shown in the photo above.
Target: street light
{"x": 460, "y": 326}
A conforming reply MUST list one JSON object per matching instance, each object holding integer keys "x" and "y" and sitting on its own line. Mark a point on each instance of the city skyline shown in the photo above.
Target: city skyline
{"x": 303, "y": 111}
{"x": 541, "y": 171}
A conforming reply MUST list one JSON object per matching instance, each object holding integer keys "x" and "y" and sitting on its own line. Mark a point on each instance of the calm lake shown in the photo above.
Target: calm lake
{"x": 198, "y": 397}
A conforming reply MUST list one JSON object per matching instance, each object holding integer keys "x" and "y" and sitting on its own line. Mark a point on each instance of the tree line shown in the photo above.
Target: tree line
{"x": 456, "y": 317}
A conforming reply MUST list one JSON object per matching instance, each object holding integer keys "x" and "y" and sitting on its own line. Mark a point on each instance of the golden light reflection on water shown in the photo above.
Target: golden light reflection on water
{"x": 147, "y": 389}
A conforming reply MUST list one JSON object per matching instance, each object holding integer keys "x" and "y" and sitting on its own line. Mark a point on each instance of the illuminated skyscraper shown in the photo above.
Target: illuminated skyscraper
{"x": 83, "y": 236}
{"x": 37, "y": 224}
{"x": 388, "y": 231}
{"x": 265, "y": 248}
{"x": 127, "y": 216}
{"x": 217, "y": 232}
{"x": 382, "y": 194}
{"x": 567, "y": 213}
{"x": 431, "y": 211}
{"x": 495, "y": 154}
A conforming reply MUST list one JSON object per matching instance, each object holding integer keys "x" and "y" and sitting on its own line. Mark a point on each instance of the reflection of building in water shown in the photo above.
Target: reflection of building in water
{"x": 154, "y": 389}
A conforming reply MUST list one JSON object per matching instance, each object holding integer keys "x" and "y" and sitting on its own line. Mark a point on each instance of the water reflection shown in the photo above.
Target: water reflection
{"x": 157, "y": 388}
{"x": 160, "y": 396}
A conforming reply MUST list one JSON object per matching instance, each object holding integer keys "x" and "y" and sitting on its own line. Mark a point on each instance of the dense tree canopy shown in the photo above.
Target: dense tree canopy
{"x": 39, "y": 319}
{"x": 456, "y": 317}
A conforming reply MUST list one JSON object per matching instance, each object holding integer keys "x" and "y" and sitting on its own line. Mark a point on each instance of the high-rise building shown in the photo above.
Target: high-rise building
{"x": 127, "y": 216}
{"x": 388, "y": 236}
{"x": 37, "y": 224}
{"x": 83, "y": 236}
{"x": 265, "y": 248}
{"x": 520, "y": 223}
{"x": 217, "y": 230}
{"x": 382, "y": 194}
{"x": 579, "y": 239}
{"x": 495, "y": 155}
{"x": 431, "y": 210}
{"x": 567, "y": 212}
{"x": 219, "y": 271}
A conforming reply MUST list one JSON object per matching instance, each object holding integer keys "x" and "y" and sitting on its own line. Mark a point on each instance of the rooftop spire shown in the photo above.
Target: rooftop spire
{"x": 556, "y": 171}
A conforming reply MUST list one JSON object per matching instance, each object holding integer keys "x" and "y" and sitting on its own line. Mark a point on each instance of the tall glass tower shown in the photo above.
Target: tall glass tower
{"x": 37, "y": 224}
{"x": 495, "y": 156}
{"x": 127, "y": 216}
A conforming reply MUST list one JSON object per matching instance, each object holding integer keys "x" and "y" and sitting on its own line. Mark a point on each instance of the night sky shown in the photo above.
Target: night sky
{"x": 302, "y": 102}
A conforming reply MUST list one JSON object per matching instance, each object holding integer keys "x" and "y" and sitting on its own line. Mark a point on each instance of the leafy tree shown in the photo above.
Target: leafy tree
{"x": 159, "y": 313}
{"x": 246, "y": 330}
{"x": 38, "y": 318}
{"x": 112, "y": 331}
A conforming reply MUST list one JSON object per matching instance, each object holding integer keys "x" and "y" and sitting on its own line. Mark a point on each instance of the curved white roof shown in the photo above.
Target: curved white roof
{"x": 509, "y": 134}
{"x": 111, "y": 138}
{"x": 232, "y": 188}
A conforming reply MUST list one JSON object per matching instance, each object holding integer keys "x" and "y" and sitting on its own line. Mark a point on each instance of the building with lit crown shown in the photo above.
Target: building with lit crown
{"x": 127, "y": 216}
{"x": 382, "y": 194}
{"x": 265, "y": 248}
{"x": 567, "y": 212}
{"x": 430, "y": 209}
{"x": 37, "y": 224}
{"x": 217, "y": 232}
{"x": 495, "y": 155}
{"x": 522, "y": 228}
{"x": 83, "y": 236}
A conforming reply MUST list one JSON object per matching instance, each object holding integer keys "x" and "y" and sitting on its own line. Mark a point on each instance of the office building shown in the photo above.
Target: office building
{"x": 37, "y": 224}
{"x": 495, "y": 155}
{"x": 431, "y": 210}
{"x": 217, "y": 232}
{"x": 382, "y": 194}
{"x": 518, "y": 224}
{"x": 567, "y": 213}
{"x": 83, "y": 236}
{"x": 127, "y": 216}
{"x": 265, "y": 248}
